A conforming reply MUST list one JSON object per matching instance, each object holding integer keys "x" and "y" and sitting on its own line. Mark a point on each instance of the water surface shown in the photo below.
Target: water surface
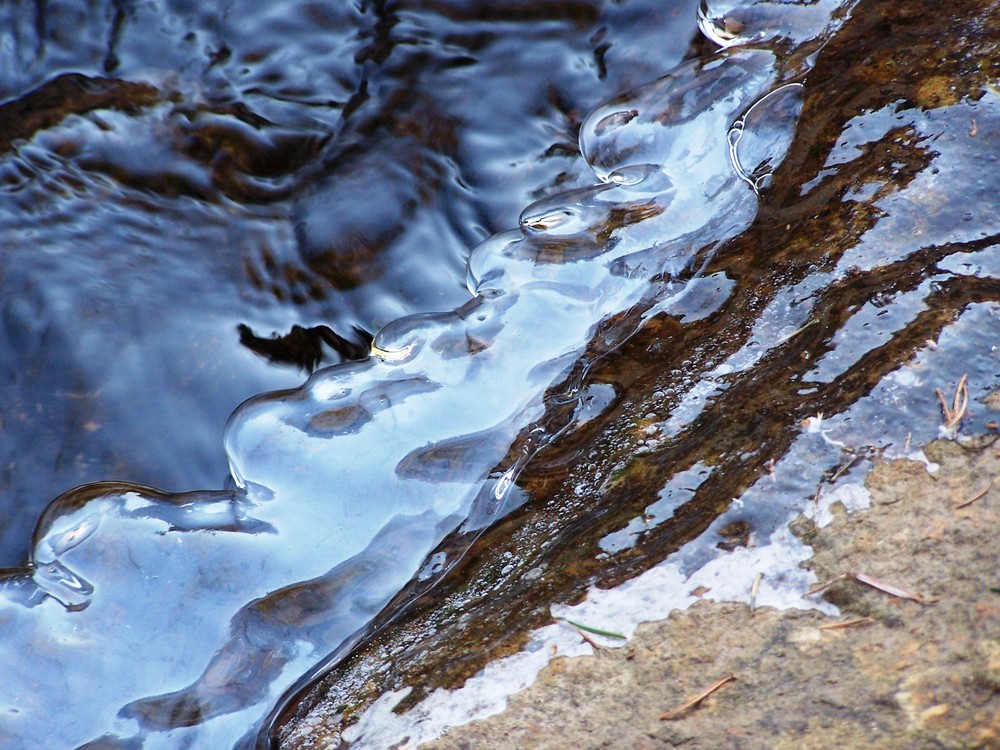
{"x": 534, "y": 272}
{"x": 305, "y": 172}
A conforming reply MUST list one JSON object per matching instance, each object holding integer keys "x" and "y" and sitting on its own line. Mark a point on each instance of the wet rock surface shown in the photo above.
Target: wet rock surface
{"x": 756, "y": 333}
{"x": 859, "y": 245}
{"x": 911, "y": 675}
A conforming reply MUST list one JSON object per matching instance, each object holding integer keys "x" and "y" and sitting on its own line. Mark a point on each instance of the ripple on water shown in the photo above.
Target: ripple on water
{"x": 171, "y": 172}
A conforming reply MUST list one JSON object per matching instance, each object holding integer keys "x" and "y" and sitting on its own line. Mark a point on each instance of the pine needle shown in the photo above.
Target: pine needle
{"x": 847, "y": 623}
{"x": 891, "y": 590}
{"x": 675, "y": 712}
{"x": 595, "y": 631}
{"x": 959, "y": 403}
{"x": 875, "y": 583}
{"x": 975, "y": 497}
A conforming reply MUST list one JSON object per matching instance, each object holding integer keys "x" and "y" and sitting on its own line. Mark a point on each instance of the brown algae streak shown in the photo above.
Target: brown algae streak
{"x": 882, "y": 211}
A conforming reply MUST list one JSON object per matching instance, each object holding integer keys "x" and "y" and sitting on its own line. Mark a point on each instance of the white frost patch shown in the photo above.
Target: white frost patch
{"x": 853, "y": 496}
{"x": 651, "y": 596}
{"x": 483, "y": 695}
{"x": 918, "y": 456}
{"x": 730, "y": 577}
{"x": 904, "y": 377}
{"x": 922, "y": 458}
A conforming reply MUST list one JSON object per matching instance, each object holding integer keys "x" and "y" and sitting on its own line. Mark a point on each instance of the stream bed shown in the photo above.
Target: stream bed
{"x": 564, "y": 309}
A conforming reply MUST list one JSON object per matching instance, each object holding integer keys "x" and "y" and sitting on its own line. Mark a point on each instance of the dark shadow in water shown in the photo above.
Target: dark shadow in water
{"x": 170, "y": 171}
{"x": 306, "y": 347}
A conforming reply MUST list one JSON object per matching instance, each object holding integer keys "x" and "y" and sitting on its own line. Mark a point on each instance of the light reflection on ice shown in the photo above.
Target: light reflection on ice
{"x": 733, "y": 22}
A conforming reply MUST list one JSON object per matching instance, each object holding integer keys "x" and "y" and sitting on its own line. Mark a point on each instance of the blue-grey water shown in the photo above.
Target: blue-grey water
{"x": 428, "y": 207}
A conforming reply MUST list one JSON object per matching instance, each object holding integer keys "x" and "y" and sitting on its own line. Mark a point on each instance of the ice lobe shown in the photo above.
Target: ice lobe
{"x": 738, "y": 22}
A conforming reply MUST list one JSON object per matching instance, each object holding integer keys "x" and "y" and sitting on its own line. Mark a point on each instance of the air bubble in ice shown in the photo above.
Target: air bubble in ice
{"x": 759, "y": 140}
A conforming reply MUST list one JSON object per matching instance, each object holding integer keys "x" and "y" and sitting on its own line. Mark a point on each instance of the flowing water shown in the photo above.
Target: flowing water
{"x": 182, "y": 184}
{"x": 199, "y": 205}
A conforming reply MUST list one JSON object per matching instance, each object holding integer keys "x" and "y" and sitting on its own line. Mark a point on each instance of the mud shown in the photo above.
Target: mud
{"x": 914, "y": 675}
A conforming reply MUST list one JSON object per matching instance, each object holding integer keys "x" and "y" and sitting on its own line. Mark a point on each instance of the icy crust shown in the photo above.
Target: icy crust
{"x": 767, "y": 575}
{"x": 194, "y": 612}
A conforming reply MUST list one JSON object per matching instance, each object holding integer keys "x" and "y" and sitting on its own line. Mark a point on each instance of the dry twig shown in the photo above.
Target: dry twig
{"x": 847, "y": 623}
{"x": 885, "y": 588}
{"x": 975, "y": 497}
{"x": 753, "y": 592}
{"x": 796, "y": 332}
{"x": 959, "y": 403}
{"x": 675, "y": 712}
{"x": 593, "y": 644}
{"x": 888, "y": 588}
{"x": 826, "y": 584}
{"x": 582, "y": 631}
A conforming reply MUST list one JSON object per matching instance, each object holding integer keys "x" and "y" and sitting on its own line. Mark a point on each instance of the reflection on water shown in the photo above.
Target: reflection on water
{"x": 345, "y": 485}
{"x": 173, "y": 170}
{"x": 176, "y": 176}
